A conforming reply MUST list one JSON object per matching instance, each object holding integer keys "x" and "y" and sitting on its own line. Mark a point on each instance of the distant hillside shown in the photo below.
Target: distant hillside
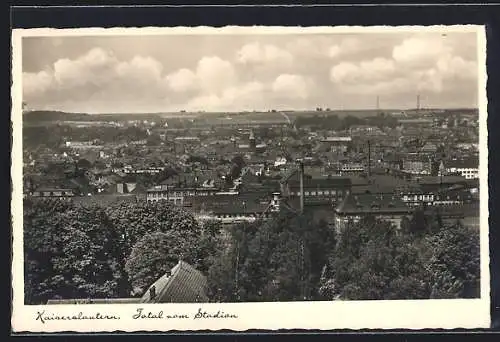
{"x": 43, "y": 116}
{"x": 48, "y": 115}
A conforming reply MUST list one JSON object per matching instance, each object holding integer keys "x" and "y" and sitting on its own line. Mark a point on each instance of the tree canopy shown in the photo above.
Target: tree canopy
{"x": 276, "y": 260}
{"x": 375, "y": 260}
{"x": 79, "y": 251}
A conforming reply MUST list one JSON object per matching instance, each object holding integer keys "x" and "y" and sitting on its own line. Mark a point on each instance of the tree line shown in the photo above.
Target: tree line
{"x": 292, "y": 258}
{"x": 424, "y": 259}
{"x": 92, "y": 251}
{"x": 53, "y": 136}
{"x": 336, "y": 123}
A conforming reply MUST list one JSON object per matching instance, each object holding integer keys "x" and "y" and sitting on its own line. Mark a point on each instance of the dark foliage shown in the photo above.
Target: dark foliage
{"x": 81, "y": 251}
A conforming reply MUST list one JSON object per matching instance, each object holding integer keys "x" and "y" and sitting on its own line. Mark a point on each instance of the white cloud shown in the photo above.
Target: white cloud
{"x": 140, "y": 69}
{"x": 97, "y": 76}
{"x": 420, "y": 52}
{"x": 417, "y": 65}
{"x": 35, "y": 84}
{"x": 299, "y": 72}
{"x": 257, "y": 53}
{"x": 378, "y": 69}
{"x": 246, "y": 96}
{"x": 291, "y": 86}
{"x": 182, "y": 80}
{"x": 96, "y": 66}
{"x": 215, "y": 74}
{"x": 346, "y": 47}
{"x": 457, "y": 67}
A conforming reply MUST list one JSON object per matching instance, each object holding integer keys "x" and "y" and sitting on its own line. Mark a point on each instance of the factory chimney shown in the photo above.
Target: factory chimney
{"x": 369, "y": 159}
{"x": 301, "y": 177}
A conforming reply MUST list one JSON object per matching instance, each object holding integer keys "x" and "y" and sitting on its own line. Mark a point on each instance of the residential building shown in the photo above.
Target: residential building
{"x": 319, "y": 190}
{"x": 455, "y": 195}
{"x": 53, "y": 192}
{"x": 354, "y": 207}
{"x": 417, "y": 164}
{"x": 176, "y": 194}
{"x": 414, "y": 196}
{"x": 352, "y": 169}
{"x": 231, "y": 208}
{"x": 468, "y": 168}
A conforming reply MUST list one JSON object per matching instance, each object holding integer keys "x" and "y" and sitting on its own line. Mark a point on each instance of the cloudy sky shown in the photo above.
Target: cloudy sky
{"x": 249, "y": 72}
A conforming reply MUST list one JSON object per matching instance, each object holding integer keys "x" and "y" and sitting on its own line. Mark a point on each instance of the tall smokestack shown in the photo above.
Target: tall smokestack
{"x": 369, "y": 159}
{"x": 418, "y": 102}
{"x": 301, "y": 177}
{"x": 378, "y": 103}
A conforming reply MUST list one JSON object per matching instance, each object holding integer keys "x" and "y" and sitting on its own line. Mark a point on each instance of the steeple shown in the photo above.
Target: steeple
{"x": 441, "y": 169}
{"x": 252, "y": 141}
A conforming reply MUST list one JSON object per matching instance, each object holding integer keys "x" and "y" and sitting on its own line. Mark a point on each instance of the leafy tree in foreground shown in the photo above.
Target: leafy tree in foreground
{"x": 454, "y": 262}
{"x": 43, "y": 223}
{"x": 374, "y": 260}
{"x": 277, "y": 260}
{"x": 80, "y": 251}
{"x": 67, "y": 252}
{"x": 158, "y": 252}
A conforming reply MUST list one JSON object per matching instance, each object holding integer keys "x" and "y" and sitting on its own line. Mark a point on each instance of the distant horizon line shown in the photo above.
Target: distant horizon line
{"x": 254, "y": 111}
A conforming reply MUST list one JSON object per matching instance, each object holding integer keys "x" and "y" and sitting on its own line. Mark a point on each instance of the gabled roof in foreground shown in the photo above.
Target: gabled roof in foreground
{"x": 184, "y": 284}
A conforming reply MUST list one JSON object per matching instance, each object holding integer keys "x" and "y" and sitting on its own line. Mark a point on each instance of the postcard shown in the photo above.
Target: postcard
{"x": 202, "y": 178}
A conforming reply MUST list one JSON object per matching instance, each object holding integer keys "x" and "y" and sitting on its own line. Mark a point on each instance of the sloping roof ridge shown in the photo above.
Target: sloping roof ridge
{"x": 170, "y": 279}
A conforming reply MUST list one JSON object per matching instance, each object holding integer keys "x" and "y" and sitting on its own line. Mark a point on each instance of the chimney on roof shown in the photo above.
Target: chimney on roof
{"x": 152, "y": 293}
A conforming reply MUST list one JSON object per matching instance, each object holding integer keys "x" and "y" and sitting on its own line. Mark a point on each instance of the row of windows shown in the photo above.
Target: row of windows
{"x": 179, "y": 194}
{"x": 253, "y": 216}
{"x": 52, "y": 193}
{"x": 172, "y": 200}
{"x": 321, "y": 193}
{"x": 418, "y": 197}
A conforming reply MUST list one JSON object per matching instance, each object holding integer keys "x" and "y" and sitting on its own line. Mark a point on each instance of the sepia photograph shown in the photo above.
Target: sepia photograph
{"x": 235, "y": 167}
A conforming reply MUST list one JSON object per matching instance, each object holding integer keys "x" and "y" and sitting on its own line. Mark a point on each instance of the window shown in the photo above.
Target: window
{"x": 306, "y": 193}
{"x": 320, "y": 193}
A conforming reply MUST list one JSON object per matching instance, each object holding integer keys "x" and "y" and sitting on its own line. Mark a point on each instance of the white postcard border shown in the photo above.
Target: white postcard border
{"x": 407, "y": 314}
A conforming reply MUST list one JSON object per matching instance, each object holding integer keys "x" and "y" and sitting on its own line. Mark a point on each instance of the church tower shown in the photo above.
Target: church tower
{"x": 252, "y": 141}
